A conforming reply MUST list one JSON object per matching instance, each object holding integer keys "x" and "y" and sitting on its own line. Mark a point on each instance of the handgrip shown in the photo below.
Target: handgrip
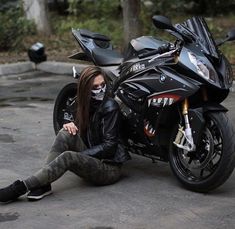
{"x": 159, "y": 50}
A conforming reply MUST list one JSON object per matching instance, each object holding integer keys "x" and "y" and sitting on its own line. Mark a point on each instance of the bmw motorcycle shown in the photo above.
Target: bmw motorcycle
{"x": 170, "y": 98}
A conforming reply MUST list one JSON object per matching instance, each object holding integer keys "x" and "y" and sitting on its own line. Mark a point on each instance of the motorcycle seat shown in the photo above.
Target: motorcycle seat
{"x": 95, "y": 36}
{"x": 106, "y": 57}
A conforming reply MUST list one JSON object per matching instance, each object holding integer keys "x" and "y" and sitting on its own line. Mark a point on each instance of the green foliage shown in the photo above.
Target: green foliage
{"x": 103, "y": 16}
{"x": 112, "y": 28}
{"x": 212, "y": 7}
{"x": 95, "y": 9}
{"x": 13, "y": 28}
{"x": 196, "y": 7}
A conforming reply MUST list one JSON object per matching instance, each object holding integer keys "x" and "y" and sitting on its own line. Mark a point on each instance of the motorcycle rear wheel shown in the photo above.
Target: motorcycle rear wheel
{"x": 65, "y": 106}
{"x": 213, "y": 162}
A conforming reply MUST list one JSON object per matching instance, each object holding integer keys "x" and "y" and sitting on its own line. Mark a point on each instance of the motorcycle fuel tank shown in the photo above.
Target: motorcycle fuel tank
{"x": 146, "y": 42}
{"x": 141, "y": 45}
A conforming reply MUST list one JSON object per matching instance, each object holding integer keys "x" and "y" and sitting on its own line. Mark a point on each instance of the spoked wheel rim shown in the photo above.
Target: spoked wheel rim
{"x": 198, "y": 166}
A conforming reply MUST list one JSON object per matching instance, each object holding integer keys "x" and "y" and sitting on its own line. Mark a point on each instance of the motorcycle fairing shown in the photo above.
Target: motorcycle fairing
{"x": 148, "y": 95}
{"x": 145, "y": 88}
{"x": 147, "y": 134}
{"x": 225, "y": 72}
{"x": 130, "y": 68}
{"x": 135, "y": 66}
{"x": 106, "y": 57}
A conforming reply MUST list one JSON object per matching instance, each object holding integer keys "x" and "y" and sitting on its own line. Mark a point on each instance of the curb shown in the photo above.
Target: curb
{"x": 16, "y": 68}
{"x": 61, "y": 68}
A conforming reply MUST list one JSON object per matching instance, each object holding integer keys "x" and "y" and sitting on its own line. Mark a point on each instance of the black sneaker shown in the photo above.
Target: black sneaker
{"x": 12, "y": 191}
{"x": 39, "y": 193}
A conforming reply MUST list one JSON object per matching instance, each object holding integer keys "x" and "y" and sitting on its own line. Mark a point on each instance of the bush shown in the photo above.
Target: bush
{"x": 13, "y": 28}
{"x": 95, "y": 9}
{"x": 111, "y": 28}
{"x": 103, "y": 16}
{"x": 195, "y": 7}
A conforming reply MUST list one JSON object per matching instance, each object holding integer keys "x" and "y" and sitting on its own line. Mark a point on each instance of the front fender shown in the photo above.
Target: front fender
{"x": 213, "y": 107}
{"x": 197, "y": 120}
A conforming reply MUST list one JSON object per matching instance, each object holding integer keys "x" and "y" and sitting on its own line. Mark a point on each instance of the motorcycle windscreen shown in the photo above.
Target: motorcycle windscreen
{"x": 198, "y": 31}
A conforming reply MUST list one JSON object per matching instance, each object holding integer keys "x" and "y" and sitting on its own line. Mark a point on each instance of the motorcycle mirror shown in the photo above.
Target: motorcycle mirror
{"x": 162, "y": 22}
{"x": 230, "y": 35}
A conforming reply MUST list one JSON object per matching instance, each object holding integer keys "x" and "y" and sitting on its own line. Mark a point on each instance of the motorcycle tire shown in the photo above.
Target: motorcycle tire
{"x": 65, "y": 106}
{"x": 213, "y": 162}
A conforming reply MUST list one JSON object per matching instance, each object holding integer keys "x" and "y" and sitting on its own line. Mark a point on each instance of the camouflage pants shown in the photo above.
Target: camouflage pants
{"x": 66, "y": 154}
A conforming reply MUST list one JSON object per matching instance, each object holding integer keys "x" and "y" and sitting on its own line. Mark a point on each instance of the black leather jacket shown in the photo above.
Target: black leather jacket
{"x": 103, "y": 134}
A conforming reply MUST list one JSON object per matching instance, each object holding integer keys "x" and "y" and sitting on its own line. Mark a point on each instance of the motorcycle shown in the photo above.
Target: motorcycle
{"x": 170, "y": 98}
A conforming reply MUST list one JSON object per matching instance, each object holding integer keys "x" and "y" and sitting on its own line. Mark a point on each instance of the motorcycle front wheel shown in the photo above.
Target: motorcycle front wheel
{"x": 214, "y": 159}
{"x": 65, "y": 106}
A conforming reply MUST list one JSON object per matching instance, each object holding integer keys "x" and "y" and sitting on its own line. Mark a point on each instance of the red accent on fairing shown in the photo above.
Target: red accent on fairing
{"x": 146, "y": 131}
{"x": 172, "y": 96}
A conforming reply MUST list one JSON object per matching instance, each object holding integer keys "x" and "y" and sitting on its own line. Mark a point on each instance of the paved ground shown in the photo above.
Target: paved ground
{"x": 148, "y": 196}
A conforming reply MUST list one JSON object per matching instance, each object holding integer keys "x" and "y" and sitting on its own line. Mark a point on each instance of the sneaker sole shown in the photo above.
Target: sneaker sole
{"x": 39, "y": 197}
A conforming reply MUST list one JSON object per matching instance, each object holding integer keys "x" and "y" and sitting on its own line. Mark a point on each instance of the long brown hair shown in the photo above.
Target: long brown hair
{"x": 84, "y": 88}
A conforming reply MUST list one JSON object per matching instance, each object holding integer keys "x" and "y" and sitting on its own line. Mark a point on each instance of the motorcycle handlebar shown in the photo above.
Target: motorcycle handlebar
{"x": 160, "y": 50}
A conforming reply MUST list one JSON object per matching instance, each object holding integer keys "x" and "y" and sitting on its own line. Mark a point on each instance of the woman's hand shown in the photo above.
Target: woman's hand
{"x": 71, "y": 128}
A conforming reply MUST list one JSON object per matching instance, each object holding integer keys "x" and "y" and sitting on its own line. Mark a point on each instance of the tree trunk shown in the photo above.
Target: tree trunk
{"x": 131, "y": 20}
{"x": 37, "y": 11}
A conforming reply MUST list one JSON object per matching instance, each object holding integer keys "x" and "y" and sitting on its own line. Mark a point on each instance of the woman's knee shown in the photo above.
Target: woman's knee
{"x": 64, "y": 139}
{"x": 63, "y": 133}
{"x": 64, "y": 160}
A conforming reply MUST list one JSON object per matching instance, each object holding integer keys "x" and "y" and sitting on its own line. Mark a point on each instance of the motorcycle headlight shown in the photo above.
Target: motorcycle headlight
{"x": 202, "y": 68}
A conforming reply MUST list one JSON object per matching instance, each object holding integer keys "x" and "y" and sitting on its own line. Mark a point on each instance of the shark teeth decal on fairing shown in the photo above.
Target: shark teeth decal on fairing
{"x": 163, "y": 100}
{"x": 149, "y": 129}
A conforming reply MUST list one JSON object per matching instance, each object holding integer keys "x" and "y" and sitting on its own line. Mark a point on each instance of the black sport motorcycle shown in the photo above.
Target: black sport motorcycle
{"x": 169, "y": 96}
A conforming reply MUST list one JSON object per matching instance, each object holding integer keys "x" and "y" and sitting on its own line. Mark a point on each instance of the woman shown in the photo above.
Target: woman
{"x": 90, "y": 147}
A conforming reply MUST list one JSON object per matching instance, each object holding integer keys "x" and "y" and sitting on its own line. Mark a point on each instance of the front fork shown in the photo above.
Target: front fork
{"x": 184, "y": 137}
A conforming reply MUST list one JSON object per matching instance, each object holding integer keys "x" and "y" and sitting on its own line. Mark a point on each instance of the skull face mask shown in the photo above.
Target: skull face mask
{"x": 99, "y": 93}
